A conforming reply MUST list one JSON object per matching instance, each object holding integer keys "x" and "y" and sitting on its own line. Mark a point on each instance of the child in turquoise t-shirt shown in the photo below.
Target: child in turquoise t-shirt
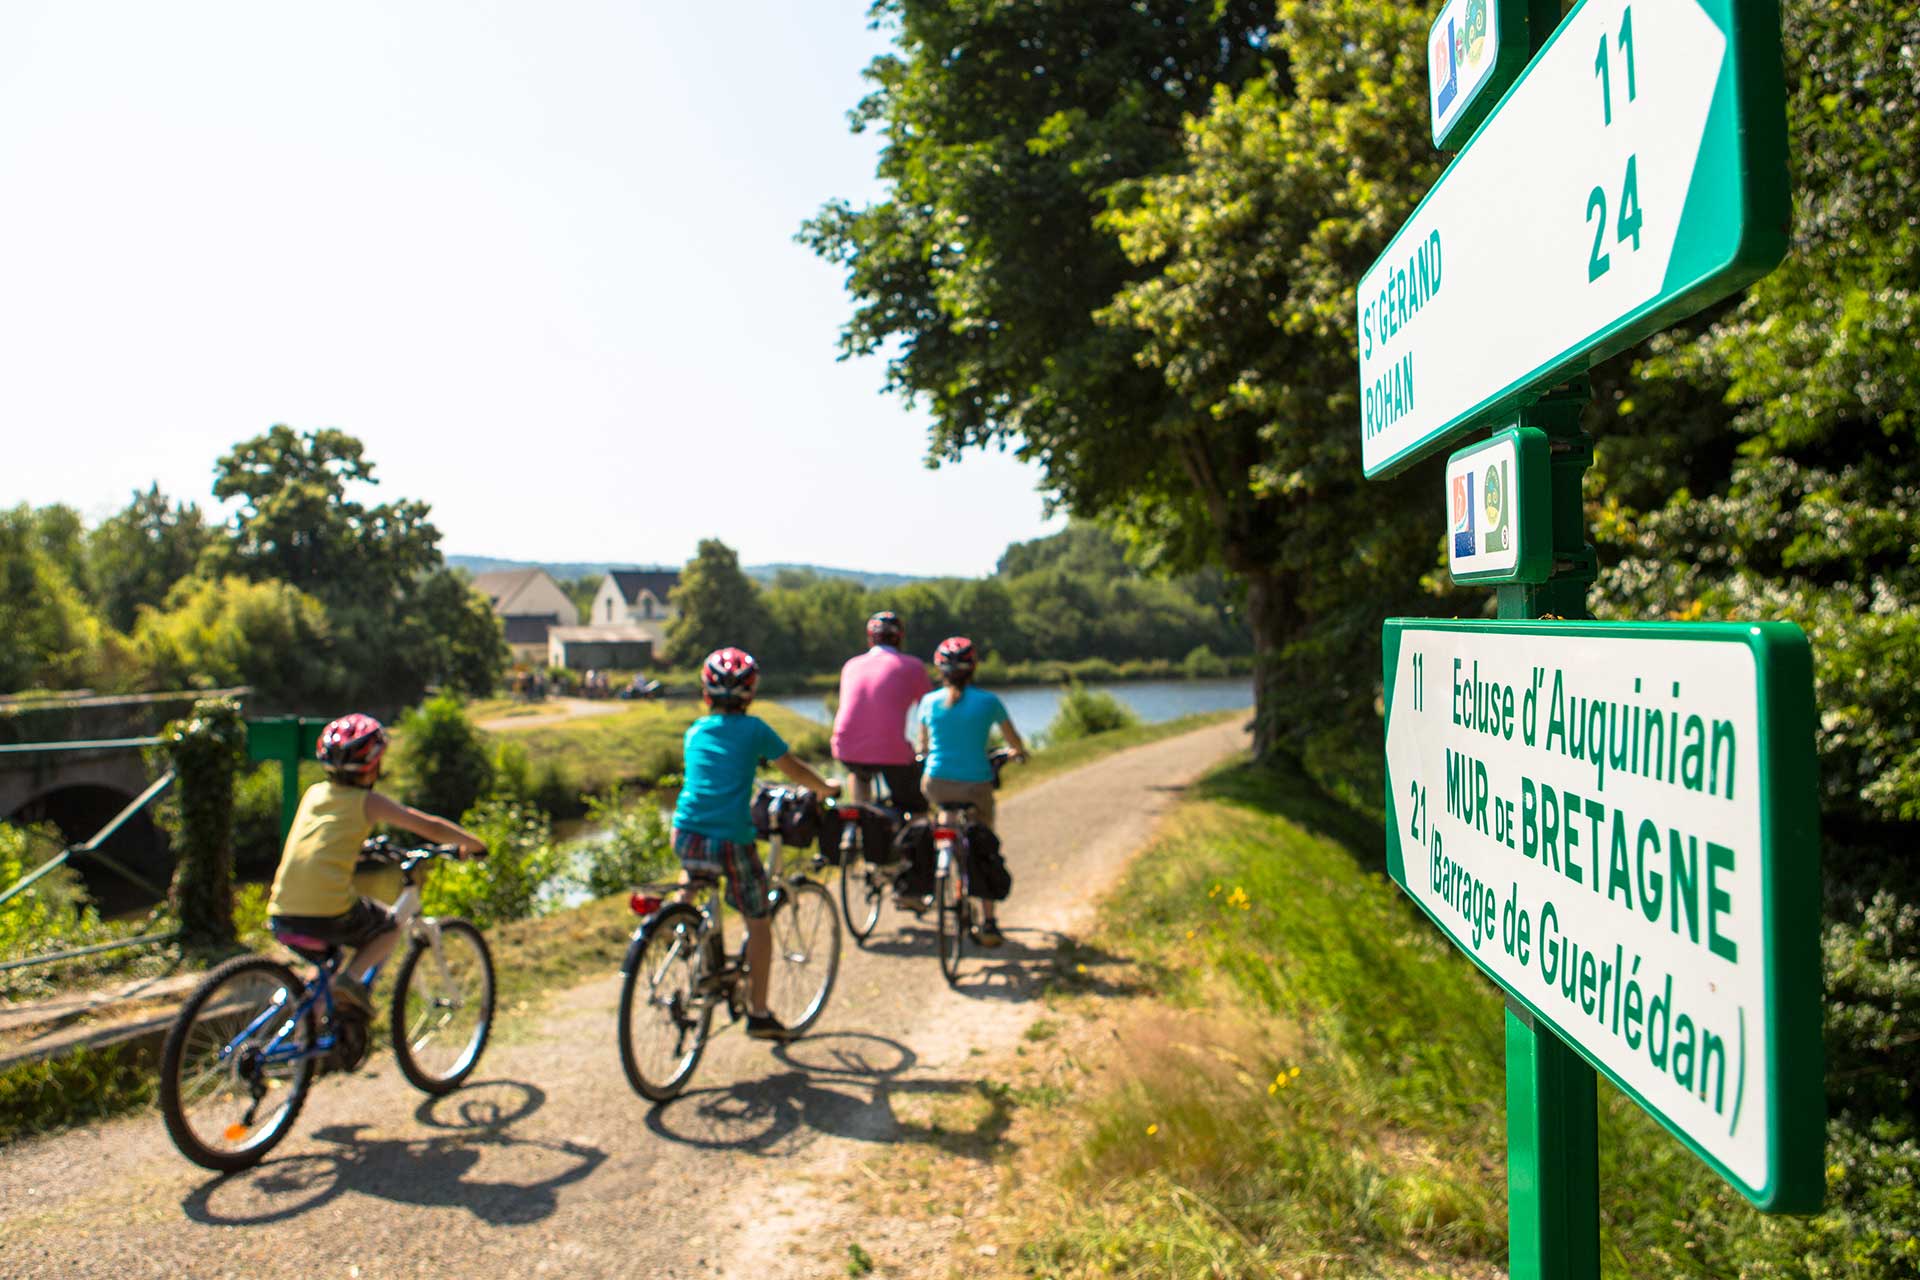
{"x": 713, "y": 821}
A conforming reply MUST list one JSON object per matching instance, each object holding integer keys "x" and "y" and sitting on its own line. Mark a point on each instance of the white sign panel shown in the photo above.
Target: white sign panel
{"x": 1583, "y": 814}
{"x": 1553, "y": 228}
{"x": 1482, "y": 491}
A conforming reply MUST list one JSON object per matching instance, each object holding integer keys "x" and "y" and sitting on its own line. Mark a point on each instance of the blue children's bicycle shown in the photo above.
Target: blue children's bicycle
{"x": 241, "y": 1055}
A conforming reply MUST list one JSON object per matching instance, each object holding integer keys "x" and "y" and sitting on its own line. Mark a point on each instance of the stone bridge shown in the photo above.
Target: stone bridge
{"x": 79, "y": 792}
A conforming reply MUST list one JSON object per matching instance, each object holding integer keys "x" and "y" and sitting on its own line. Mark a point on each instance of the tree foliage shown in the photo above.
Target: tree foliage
{"x": 135, "y": 556}
{"x": 224, "y": 632}
{"x": 717, "y": 605}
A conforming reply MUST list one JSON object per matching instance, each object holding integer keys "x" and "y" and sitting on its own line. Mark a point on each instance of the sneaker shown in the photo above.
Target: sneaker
{"x": 988, "y": 934}
{"x": 764, "y": 1026}
{"x": 351, "y": 996}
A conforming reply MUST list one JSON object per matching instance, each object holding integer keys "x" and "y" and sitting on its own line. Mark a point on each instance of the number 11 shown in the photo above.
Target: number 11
{"x": 1605, "y": 72}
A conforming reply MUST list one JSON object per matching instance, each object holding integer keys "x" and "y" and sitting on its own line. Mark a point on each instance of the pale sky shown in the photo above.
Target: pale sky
{"x": 539, "y": 257}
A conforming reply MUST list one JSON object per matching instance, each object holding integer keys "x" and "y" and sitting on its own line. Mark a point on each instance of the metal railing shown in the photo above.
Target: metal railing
{"x": 91, "y": 848}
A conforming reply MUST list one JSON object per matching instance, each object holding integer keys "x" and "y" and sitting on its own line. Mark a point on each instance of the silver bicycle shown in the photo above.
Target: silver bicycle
{"x": 677, "y": 973}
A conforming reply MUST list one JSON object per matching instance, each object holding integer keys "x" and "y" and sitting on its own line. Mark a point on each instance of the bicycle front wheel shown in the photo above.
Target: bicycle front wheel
{"x": 861, "y": 892}
{"x": 443, "y": 1007}
{"x": 236, "y": 1065}
{"x": 663, "y": 1011}
{"x": 806, "y": 954}
{"x": 955, "y": 918}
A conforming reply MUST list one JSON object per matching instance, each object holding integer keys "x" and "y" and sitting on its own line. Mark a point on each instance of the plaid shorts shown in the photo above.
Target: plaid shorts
{"x": 745, "y": 874}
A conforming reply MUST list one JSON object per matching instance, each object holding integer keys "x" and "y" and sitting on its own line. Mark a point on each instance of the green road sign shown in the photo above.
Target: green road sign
{"x": 1635, "y": 174}
{"x": 1474, "y": 51}
{"x": 1618, "y": 823}
{"x": 1499, "y": 526}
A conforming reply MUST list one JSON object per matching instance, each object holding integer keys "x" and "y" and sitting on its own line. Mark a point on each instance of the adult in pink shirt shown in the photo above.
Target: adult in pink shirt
{"x": 877, "y": 690}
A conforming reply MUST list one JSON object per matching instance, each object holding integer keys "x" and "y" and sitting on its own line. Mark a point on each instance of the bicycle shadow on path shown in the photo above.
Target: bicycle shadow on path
{"x": 841, "y": 1084}
{"x": 1030, "y": 964}
{"x": 432, "y": 1172}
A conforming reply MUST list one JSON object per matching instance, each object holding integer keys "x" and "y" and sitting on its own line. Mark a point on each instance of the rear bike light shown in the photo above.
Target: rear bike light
{"x": 643, "y": 904}
{"x": 945, "y": 833}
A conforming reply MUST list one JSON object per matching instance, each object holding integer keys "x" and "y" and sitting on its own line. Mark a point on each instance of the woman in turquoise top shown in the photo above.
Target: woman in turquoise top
{"x": 955, "y": 724}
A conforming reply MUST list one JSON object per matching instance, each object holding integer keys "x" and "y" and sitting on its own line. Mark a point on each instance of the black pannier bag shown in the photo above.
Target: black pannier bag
{"x": 987, "y": 874}
{"x": 878, "y": 840}
{"x": 914, "y": 846}
{"x": 831, "y": 821}
{"x": 799, "y": 815}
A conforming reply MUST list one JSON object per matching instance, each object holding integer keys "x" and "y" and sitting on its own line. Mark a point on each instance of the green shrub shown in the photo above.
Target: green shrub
{"x": 512, "y": 771}
{"x": 557, "y": 792}
{"x": 637, "y": 847}
{"x": 1096, "y": 669}
{"x": 1203, "y": 664}
{"x": 505, "y": 885}
{"x": 52, "y": 915}
{"x": 1084, "y": 712}
{"x": 444, "y": 766}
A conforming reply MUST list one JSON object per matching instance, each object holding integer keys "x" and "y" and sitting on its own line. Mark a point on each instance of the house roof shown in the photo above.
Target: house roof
{"x": 632, "y": 582}
{"x": 502, "y": 586}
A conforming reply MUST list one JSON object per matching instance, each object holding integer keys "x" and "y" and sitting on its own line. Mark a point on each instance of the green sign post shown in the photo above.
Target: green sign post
{"x": 1574, "y": 762}
{"x": 289, "y": 740}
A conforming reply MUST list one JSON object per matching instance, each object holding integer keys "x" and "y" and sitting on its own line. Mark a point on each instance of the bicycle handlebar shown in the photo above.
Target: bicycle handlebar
{"x": 382, "y": 852}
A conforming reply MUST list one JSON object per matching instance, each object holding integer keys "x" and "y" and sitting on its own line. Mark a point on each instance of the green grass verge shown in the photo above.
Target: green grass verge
{"x": 1048, "y": 761}
{"x": 1347, "y": 1117}
{"x": 637, "y": 746}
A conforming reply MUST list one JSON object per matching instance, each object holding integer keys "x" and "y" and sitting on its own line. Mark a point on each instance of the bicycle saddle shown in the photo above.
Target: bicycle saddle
{"x": 305, "y": 945}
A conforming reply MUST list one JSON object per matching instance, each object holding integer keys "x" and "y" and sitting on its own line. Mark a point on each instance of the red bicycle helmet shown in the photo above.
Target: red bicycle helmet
{"x": 885, "y": 627}
{"x": 955, "y": 654}
{"x": 729, "y": 677}
{"x": 352, "y": 744}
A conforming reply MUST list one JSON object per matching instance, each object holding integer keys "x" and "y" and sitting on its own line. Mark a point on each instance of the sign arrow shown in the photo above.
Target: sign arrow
{"x": 1635, "y": 174}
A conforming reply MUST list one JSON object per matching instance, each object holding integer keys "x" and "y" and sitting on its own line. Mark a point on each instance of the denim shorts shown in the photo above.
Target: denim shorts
{"x": 746, "y": 875}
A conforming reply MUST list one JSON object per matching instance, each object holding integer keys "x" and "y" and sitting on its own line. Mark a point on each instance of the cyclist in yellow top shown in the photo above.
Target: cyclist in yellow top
{"x": 313, "y": 890}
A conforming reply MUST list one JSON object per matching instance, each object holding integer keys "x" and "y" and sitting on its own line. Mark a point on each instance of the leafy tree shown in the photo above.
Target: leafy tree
{"x": 717, "y": 605}
{"x": 298, "y": 523}
{"x": 49, "y": 637}
{"x": 1291, "y": 186}
{"x": 217, "y": 632}
{"x": 1010, "y": 131}
{"x": 136, "y": 555}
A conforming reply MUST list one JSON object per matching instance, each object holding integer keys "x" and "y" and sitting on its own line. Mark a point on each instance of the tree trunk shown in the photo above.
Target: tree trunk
{"x": 1272, "y": 617}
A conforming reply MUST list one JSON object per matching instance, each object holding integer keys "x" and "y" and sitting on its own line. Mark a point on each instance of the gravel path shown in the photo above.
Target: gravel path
{"x": 549, "y": 1164}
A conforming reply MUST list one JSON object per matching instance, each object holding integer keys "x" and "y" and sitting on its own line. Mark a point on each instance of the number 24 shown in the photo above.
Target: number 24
{"x": 1630, "y": 219}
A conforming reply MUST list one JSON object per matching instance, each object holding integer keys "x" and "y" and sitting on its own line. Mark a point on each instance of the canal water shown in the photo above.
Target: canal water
{"x": 1032, "y": 707}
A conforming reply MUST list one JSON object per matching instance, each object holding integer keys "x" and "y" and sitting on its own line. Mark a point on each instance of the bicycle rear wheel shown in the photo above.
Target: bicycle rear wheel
{"x": 663, "y": 1012}
{"x": 806, "y": 954}
{"x": 955, "y": 917}
{"x": 443, "y": 1007}
{"x": 224, "y": 1103}
{"x": 861, "y": 893}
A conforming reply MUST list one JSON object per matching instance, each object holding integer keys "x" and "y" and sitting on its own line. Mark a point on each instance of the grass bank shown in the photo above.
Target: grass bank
{"x": 634, "y": 748}
{"x": 1315, "y": 1086}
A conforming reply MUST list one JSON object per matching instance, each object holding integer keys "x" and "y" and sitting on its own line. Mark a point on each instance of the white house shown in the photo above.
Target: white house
{"x": 529, "y": 604}
{"x": 637, "y": 601}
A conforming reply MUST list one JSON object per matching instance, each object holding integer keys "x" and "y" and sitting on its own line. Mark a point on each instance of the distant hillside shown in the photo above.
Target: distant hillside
{"x": 567, "y": 569}
{"x": 872, "y": 581}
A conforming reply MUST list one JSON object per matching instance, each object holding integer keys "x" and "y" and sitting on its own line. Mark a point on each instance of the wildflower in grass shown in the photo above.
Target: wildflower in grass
{"x": 1152, "y": 1129}
{"x": 1215, "y": 891}
{"x": 1079, "y": 968}
{"x": 1189, "y": 935}
{"x": 1238, "y": 898}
